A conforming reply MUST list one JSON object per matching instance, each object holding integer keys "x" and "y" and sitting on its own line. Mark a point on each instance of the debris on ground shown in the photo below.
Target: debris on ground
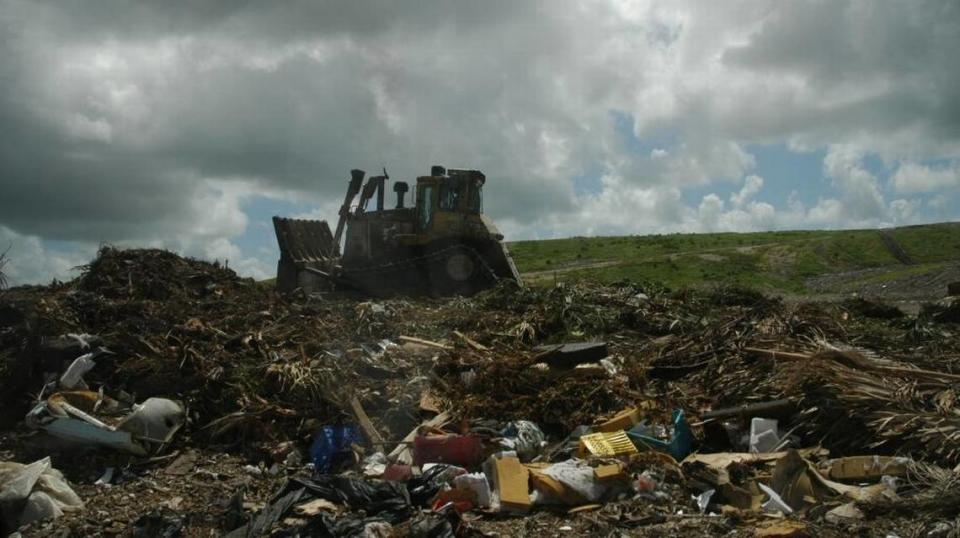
{"x": 33, "y": 492}
{"x": 567, "y": 410}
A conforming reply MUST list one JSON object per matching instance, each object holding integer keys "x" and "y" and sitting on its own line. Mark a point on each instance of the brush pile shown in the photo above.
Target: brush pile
{"x": 261, "y": 374}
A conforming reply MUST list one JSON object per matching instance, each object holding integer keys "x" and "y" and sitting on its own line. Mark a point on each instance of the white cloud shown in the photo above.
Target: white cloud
{"x": 861, "y": 197}
{"x": 29, "y": 261}
{"x": 904, "y": 211}
{"x": 826, "y": 212}
{"x": 913, "y": 177}
{"x": 752, "y": 185}
{"x": 709, "y": 212}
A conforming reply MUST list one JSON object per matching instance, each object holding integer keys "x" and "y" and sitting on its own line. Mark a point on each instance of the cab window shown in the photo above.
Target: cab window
{"x": 476, "y": 198}
{"x": 425, "y": 207}
{"x": 449, "y": 196}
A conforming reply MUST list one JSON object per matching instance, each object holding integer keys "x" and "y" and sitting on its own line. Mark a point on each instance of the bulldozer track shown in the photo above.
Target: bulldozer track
{"x": 416, "y": 261}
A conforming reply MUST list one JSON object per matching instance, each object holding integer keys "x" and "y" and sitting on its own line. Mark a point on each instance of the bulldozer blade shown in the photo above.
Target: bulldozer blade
{"x": 303, "y": 243}
{"x": 507, "y": 269}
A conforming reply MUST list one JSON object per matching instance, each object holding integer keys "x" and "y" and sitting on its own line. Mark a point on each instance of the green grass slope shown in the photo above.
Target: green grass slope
{"x": 774, "y": 260}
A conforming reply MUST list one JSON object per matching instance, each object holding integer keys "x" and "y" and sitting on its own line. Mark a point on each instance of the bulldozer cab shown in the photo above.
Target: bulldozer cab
{"x": 450, "y": 192}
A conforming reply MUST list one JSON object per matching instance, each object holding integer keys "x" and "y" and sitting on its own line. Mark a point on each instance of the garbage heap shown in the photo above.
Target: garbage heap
{"x": 157, "y": 395}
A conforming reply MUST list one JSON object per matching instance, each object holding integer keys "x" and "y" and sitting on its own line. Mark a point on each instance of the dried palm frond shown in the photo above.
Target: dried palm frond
{"x": 523, "y": 332}
{"x": 298, "y": 381}
{"x": 3, "y": 262}
{"x": 925, "y": 489}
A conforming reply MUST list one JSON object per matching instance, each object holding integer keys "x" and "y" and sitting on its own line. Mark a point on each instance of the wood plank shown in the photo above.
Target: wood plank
{"x": 368, "y": 428}
{"x": 422, "y": 342}
{"x": 471, "y": 342}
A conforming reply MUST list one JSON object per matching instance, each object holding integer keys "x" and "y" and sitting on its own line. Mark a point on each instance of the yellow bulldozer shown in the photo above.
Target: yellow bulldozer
{"x": 440, "y": 245}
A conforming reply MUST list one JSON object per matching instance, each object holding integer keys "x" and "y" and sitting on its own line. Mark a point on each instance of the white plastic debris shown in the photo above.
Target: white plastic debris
{"x": 40, "y": 488}
{"x": 155, "y": 420}
{"x": 703, "y": 500}
{"x": 83, "y": 339}
{"x": 148, "y": 426}
{"x": 387, "y": 343}
{"x": 845, "y": 513}
{"x": 374, "y": 465}
{"x": 80, "y": 416}
{"x": 578, "y": 476}
{"x": 763, "y": 435}
{"x": 75, "y": 372}
{"x": 775, "y": 503}
{"x": 105, "y": 478}
{"x": 476, "y": 482}
{"x": 610, "y": 366}
{"x": 524, "y": 437}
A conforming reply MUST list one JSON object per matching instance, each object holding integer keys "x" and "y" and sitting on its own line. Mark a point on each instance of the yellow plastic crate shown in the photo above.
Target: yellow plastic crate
{"x": 607, "y": 444}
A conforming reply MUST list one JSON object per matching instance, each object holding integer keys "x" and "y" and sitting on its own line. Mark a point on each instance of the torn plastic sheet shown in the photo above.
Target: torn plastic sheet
{"x": 578, "y": 476}
{"x": 434, "y": 478}
{"x": 525, "y": 437}
{"x": 703, "y": 500}
{"x": 774, "y": 503}
{"x": 34, "y": 492}
{"x": 86, "y": 417}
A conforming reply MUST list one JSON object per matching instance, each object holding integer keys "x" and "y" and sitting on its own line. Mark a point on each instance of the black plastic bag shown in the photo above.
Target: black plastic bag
{"x": 387, "y": 500}
{"x": 380, "y": 500}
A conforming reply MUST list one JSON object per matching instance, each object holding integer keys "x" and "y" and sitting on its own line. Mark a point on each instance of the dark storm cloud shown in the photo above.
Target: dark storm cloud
{"x": 158, "y": 100}
{"x": 897, "y": 58}
{"x": 276, "y": 21}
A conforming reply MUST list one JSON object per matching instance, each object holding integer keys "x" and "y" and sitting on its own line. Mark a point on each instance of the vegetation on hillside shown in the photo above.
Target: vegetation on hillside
{"x": 773, "y": 260}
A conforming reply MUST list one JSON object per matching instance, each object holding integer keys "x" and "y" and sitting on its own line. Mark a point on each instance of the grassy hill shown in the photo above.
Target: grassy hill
{"x": 782, "y": 261}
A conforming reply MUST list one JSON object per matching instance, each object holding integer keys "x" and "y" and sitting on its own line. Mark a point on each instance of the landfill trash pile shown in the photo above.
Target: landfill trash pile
{"x": 161, "y": 396}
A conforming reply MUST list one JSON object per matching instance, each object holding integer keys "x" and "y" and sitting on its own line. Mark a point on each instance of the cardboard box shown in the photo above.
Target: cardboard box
{"x": 865, "y": 468}
{"x": 610, "y": 473}
{"x": 513, "y": 484}
{"x": 624, "y": 420}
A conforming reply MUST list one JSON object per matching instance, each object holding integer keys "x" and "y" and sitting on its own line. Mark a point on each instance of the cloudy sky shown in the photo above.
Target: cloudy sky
{"x": 187, "y": 125}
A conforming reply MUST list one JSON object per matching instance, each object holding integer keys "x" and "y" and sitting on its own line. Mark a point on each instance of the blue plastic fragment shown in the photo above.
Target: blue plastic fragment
{"x": 331, "y": 442}
{"x": 680, "y": 444}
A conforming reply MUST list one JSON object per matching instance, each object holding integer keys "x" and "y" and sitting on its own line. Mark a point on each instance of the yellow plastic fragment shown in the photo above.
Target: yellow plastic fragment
{"x": 607, "y": 444}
